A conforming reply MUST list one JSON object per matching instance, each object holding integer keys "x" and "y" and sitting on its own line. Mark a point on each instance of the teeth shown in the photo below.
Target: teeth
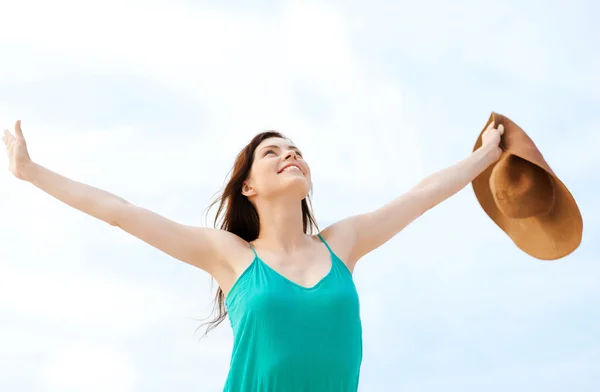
{"x": 291, "y": 168}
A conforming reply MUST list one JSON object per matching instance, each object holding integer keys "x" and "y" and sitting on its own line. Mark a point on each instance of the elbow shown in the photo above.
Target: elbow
{"x": 428, "y": 196}
{"x": 115, "y": 213}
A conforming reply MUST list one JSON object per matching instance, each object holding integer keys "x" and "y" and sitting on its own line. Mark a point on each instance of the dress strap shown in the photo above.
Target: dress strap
{"x": 325, "y": 242}
{"x": 253, "y": 250}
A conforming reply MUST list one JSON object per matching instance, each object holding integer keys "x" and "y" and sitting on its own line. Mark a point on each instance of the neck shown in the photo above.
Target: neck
{"x": 281, "y": 224}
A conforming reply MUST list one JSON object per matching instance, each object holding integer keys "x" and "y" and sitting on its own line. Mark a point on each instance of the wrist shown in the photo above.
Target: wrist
{"x": 484, "y": 157}
{"x": 491, "y": 153}
{"x": 27, "y": 171}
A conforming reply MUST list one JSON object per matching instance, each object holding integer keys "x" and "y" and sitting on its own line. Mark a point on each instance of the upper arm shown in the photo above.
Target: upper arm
{"x": 198, "y": 246}
{"x": 360, "y": 234}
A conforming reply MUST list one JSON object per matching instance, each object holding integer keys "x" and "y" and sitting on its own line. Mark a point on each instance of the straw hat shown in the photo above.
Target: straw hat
{"x": 524, "y": 197}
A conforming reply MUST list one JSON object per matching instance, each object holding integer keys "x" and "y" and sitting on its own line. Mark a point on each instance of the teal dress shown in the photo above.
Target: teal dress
{"x": 290, "y": 338}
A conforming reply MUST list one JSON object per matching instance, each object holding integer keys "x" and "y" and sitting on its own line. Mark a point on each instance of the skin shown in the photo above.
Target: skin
{"x": 276, "y": 194}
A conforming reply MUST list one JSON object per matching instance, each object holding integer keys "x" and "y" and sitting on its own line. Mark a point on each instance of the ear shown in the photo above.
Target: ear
{"x": 247, "y": 190}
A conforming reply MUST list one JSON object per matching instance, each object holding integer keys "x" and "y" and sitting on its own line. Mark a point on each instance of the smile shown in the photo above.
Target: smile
{"x": 291, "y": 168}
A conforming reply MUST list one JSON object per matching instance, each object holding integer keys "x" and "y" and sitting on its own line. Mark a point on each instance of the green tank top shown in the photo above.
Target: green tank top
{"x": 290, "y": 338}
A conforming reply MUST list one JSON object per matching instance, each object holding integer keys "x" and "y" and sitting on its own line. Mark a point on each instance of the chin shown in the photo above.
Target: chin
{"x": 298, "y": 187}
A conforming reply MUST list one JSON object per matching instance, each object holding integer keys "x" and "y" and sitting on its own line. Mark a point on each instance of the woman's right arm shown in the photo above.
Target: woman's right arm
{"x": 204, "y": 248}
{"x": 194, "y": 245}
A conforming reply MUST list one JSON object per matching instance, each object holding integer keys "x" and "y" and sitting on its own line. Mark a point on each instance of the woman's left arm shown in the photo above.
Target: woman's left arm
{"x": 366, "y": 232}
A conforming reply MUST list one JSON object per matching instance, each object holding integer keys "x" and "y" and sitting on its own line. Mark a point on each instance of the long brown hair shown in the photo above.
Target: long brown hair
{"x": 237, "y": 215}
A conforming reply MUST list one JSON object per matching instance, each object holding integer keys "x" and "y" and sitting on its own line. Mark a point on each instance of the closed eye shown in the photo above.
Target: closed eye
{"x": 269, "y": 152}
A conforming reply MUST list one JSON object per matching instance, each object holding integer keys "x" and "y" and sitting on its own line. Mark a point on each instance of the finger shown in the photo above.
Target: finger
{"x": 18, "y": 131}
{"x": 501, "y": 129}
{"x": 6, "y": 137}
{"x": 491, "y": 125}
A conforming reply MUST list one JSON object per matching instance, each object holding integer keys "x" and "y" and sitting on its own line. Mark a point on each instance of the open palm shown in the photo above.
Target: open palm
{"x": 16, "y": 149}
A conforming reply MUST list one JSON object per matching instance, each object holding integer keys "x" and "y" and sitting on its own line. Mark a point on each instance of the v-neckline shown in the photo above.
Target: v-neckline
{"x": 316, "y": 285}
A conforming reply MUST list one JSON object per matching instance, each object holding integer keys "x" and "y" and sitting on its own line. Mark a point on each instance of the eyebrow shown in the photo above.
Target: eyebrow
{"x": 291, "y": 147}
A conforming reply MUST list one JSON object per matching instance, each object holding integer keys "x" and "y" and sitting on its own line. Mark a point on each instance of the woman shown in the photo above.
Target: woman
{"x": 289, "y": 294}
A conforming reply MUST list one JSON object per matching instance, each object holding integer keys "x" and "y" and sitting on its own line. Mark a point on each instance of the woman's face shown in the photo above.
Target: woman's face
{"x": 278, "y": 168}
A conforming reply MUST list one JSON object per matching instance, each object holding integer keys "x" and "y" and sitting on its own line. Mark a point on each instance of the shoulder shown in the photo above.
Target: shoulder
{"x": 341, "y": 237}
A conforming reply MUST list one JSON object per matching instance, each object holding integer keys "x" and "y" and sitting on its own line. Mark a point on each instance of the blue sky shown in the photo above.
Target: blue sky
{"x": 152, "y": 100}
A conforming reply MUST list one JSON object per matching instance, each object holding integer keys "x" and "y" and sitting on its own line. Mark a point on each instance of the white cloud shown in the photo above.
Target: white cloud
{"x": 511, "y": 38}
{"x": 575, "y": 156}
{"x": 89, "y": 366}
{"x": 246, "y": 70}
{"x": 123, "y": 308}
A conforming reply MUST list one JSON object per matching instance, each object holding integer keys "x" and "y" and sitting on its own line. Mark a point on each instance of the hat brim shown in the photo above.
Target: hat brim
{"x": 548, "y": 237}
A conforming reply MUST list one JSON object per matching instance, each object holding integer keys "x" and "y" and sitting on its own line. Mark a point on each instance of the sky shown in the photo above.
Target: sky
{"x": 152, "y": 101}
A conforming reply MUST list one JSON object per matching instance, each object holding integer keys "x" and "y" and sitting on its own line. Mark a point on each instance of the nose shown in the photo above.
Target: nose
{"x": 290, "y": 154}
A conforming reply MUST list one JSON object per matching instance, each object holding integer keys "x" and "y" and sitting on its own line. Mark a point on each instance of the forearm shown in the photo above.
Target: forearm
{"x": 371, "y": 230}
{"x": 445, "y": 183}
{"x": 85, "y": 198}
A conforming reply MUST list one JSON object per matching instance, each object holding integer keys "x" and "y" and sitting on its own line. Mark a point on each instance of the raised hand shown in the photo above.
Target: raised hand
{"x": 491, "y": 139}
{"x": 16, "y": 149}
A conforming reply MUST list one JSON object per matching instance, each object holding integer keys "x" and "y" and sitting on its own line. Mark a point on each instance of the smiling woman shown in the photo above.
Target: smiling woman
{"x": 237, "y": 214}
{"x": 286, "y": 286}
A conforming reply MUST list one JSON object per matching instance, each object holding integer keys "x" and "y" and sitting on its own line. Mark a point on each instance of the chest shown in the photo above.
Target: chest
{"x": 305, "y": 270}
{"x": 278, "y": 303}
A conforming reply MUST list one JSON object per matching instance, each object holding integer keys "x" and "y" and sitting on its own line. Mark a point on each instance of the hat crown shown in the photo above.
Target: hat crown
{"x": 521, "y": 189}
